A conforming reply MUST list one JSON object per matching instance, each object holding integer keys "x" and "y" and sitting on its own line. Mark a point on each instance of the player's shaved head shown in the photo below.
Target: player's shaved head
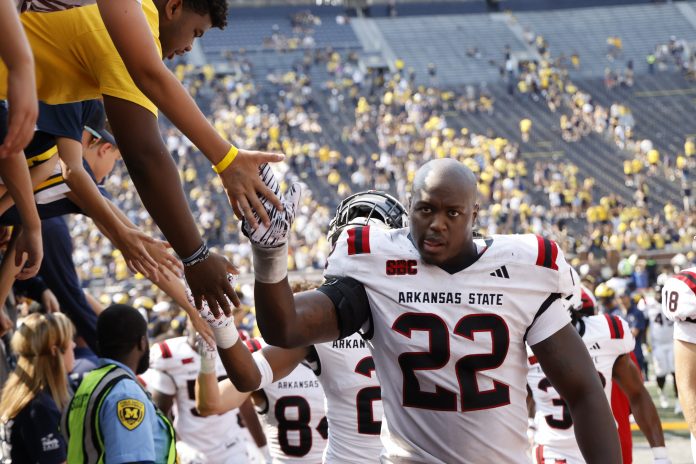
{"x": 442, "y": 213}
{"x": 445, "y": 172}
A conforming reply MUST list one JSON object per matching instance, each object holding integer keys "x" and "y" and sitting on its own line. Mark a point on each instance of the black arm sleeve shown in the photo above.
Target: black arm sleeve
{"x": 350, "y": 300}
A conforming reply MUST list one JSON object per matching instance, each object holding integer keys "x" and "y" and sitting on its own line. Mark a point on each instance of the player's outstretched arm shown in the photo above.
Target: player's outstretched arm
{"x": 627, "y": 375}
{"x": 15, "y": 175}
{"x": 21, "y": 86}
{"x": 685, "y": 360}
{"x": 568, "y": 366}
{"x": 292, "y": 321}
{"x": 213, "y": 397}
{"x": 132, "y": 37}
{"x": 157, "y": 180}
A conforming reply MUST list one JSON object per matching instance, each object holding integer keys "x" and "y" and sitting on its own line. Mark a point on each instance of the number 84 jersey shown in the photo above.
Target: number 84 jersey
{"x": 449, "y": 349}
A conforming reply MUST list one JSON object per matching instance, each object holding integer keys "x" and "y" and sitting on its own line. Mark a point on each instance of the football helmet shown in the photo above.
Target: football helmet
{"x": 604, "y": 291}
{"x": 581, "y": 303}
{"x": 372, "y": 207}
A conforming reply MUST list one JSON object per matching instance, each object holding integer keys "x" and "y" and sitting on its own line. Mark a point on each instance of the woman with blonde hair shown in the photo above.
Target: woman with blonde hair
{"x": 37, "y": 391}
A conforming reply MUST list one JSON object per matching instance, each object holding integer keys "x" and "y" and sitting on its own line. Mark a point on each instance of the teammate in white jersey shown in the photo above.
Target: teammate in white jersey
{"x": 447, "y": 318}
{"x": 292, "y": 408}
{"x": 661, "y": 331}
{"x": 609, "y": 342}
{"x": 174, "y": 366}
{"x": 679, "y": 305}
{"x": 345, "y": 368}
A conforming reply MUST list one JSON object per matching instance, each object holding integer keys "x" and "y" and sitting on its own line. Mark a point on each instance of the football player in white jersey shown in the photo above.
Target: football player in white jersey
{"x": 447, "y": 318}
{"x": 679, "y": 305}
{"x": 609, "y": 342}
{"x": 661, "y": 331}
{"x": 345, "y": 368}
{"x": 292, "y": 409}
{"x": 174, "y": 366}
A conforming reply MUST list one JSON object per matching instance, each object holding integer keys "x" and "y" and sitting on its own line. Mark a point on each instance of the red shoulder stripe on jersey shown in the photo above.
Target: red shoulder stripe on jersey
{"x": 533, "y": 360}
{"x": 689, "y": 278}
{"x": 166, "y": 352}
{"x": 613, "y": 330}
{"x": 359, "y": 240}
{"x": 547, "y": 253}
{"x": 619, "y": 326}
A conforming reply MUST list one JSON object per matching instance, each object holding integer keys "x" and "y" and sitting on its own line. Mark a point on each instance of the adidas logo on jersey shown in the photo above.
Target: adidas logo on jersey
{"x": 501, "y": 272}
{"x": 595, "y": 346}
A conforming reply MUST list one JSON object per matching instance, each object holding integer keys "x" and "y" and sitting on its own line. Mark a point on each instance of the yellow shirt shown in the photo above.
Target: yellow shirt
{"x": 76, "y": 59}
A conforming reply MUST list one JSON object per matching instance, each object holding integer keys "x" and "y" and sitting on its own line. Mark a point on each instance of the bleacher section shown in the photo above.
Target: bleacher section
{"x": 586, "y": 30}
{"x": 444, "y": 40}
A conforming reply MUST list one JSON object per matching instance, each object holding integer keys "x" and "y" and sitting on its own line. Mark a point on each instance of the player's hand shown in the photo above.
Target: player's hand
{"x": 132, "y": 244}
{"x": 50, "y": 302}
{"x": 204, "y": 331}
{"x": 23, "y": 110}
{"x": 212, "y": 288}
{"x": 159, "y": 251}
{"x": 244, "y": 187}
{"x": 206, "y": 349}
{"x": 281, "y": 220}
{"x": 29, "y": 246}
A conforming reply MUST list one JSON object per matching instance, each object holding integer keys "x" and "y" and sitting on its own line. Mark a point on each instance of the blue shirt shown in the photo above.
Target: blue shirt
{"x": 129, "y": 437}
{"x": 32, "y": 436}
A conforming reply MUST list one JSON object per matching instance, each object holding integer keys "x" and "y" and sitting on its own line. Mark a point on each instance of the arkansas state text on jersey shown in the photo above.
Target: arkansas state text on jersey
{"x": 452, "y": 346}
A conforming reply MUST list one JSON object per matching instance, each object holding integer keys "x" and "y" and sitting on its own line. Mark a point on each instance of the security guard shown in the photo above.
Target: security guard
{"x": 111, "y": 419}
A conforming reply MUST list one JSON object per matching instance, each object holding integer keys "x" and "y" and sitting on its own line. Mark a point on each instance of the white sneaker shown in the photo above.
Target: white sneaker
{"x": 663, "y": 401}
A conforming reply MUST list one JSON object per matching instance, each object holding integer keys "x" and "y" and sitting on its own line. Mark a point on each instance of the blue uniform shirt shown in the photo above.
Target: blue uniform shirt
{"x": 132, "y": 430}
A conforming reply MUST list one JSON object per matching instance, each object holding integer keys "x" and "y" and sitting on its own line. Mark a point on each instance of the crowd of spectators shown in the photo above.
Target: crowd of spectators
{"x": 358, "y": 130}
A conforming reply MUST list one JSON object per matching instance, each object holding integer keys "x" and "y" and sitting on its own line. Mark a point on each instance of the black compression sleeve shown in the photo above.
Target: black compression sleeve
{"x": 350, "y": 300}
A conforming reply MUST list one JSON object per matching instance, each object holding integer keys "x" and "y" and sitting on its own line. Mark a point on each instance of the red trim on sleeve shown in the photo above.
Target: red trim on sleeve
{"x": 689, "y": 278}
{"x": 619, "y": 326}
{"x": 610, "y": 322}
{"x": 541, "y": 253}
{"x": 533, "y": 360}
{"x": 166, "y": 352}
{"x": 351, "y": 241}
{"x": 366, "y": 239}
{"x": 554, "y": 255}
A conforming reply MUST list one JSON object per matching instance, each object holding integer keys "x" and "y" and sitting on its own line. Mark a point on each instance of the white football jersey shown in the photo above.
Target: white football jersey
{"x": 174, "y": 367}
{"x": 679, "y": 304}
{"x": 606, "y": 338}
{"x": 294, "y": 417}
{"x": 345, "y": 369}
{"x": 449, "y": 349}
{"x": 661, "y": 329}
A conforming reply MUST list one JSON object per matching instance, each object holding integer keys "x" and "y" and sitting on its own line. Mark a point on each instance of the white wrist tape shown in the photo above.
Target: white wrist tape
{"x": 270, "y": 264}
{"x": 659, "y": 452}
{"x": 207, "y": 365}
{"x": 226, "y": 336}
{"x": 264, "y": 369}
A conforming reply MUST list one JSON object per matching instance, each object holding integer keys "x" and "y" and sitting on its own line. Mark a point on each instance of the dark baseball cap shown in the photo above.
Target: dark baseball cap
{"x": 96, "y": 122}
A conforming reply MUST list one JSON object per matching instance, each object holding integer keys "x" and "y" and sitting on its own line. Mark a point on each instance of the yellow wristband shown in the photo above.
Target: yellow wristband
{"x": 227, "y": 160}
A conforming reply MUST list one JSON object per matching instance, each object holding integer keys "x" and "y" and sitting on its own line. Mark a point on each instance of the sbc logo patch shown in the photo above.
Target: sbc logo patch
{"x": 130, "y": 413}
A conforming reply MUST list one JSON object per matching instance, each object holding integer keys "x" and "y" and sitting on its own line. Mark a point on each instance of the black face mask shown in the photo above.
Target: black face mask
{"x": 144, "y": 363}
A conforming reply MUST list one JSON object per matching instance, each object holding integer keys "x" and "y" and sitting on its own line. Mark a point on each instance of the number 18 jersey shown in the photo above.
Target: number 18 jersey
{"x": 449, "y": 349}
{"x": 679, "y": 304}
